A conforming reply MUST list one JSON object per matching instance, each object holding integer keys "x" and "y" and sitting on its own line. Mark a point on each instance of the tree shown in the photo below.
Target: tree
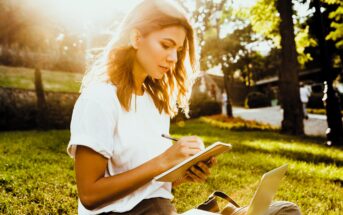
{"x": 232, "y": 53}
{"x": 335, "y": 130}
{"x": 270, "y": 65}
{"x": 208, "y": 17}
{"x": 273, "y": 18}
{"x": 292, "y": 122}
{"x": 13, "y": 14}
{"x": 335, "y": 53}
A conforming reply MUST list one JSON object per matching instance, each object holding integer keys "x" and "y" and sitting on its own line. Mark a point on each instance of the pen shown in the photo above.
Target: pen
{"x": 169, "y": 137}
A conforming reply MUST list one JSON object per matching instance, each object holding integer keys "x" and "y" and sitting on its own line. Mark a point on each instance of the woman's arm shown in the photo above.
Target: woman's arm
{"x": 96, "y": 190}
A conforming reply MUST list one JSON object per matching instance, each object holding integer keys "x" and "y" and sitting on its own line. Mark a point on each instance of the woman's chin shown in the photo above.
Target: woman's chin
{"x": 158, "y": 76}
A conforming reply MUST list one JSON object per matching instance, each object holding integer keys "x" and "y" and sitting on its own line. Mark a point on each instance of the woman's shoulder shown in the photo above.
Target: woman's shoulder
{"x": 98, "y": 90}
{"x": 101, "y": 92}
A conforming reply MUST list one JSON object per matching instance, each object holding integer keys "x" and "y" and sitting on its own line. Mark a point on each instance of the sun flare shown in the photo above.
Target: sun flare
{"x": 82, "y": 15}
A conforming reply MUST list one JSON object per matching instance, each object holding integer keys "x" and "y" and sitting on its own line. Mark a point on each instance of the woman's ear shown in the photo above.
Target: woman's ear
{"x": 135, "y": 37}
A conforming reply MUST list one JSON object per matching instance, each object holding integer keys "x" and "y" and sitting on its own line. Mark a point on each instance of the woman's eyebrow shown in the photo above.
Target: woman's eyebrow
{"x": 172, "y": 41}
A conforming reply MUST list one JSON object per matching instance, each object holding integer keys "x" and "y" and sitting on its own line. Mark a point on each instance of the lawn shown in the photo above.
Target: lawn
{"x": 36, "y": 174}
{"x": 56, "y": 81}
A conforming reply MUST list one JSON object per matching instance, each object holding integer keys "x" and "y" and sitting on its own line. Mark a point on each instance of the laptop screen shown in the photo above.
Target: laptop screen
{"x": 266, "y": 190}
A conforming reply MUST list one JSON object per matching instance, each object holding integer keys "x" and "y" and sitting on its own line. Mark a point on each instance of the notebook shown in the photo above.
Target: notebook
{"x": 262, "y": 198}
{"x": 180, "y": 169}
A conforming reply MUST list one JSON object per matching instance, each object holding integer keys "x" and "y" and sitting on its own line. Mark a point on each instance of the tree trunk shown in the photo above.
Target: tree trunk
{"x": 334, "y": 133}
{"x": 292, "y": 122}
{"x": 227, "y": 78}
{"x": 228, "y": 100}
{"x": 41, "y": 103}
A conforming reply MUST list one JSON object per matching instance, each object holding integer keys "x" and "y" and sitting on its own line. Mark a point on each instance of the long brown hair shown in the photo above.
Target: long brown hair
{"x": 172, "y": 91}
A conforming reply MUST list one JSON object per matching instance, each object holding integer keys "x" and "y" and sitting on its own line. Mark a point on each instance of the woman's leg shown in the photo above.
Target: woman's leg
{"x": 154, "y": 206}
{"x": 163, "y": 206}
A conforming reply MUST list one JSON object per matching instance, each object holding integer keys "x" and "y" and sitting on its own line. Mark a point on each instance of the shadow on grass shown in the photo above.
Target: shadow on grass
{"x": 294, "y": 155}
{"x": 338, "y": 181}
{"x": 237, "y": 138}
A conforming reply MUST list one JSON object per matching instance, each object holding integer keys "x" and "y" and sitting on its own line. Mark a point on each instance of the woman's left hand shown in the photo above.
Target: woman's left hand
{"x": 197, "y": 173}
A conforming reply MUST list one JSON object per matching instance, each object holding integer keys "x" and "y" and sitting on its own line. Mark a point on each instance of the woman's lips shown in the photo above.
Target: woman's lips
{"x": 166, "y": 69}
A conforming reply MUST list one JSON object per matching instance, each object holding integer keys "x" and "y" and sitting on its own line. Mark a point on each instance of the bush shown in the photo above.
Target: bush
{"x": 200, "y": 105}
{"x": 257, "y": 99}
{"x": 237, "y": 123}
{"x": 204, "y": 108}
{"x": 315, "y": 101}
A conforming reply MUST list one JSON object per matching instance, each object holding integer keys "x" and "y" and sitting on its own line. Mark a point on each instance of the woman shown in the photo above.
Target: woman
{"x": 126, "y": 101}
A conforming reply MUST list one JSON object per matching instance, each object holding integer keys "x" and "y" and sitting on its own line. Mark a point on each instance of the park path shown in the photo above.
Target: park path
{"x": 316, "y": 125}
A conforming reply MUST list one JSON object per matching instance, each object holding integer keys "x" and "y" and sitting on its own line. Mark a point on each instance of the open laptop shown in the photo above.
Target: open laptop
{"x": 263, "y": 196}
{"x": 266, "y": 190}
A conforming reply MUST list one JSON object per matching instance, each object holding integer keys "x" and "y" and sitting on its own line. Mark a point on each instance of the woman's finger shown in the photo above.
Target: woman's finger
{"x": 203, "y": 167}
{"x": 211, "y": 162}
{"x": 193, "y": 177}
{"x": 198, "y": 173}
{"x": 193, "y": 141}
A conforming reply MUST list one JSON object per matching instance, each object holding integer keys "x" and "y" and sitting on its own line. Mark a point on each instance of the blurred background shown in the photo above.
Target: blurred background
{"x": 247, "y": 59}
{"x": 258, "y": 58}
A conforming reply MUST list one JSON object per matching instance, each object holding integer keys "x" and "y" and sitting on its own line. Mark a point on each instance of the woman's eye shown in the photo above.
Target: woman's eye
{"x": 164, "y": 46}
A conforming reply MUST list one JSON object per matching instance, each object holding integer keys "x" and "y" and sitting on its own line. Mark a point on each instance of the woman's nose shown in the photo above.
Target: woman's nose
{"x": 172, "y": 57}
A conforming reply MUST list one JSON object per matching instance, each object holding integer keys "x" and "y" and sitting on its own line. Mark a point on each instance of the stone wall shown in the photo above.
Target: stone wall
{"x": 18, "y": 109}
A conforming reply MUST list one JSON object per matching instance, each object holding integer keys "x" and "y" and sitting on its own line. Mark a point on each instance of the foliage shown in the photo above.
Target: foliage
{"x": 337, "y": 24}
{"x": 208, "y": 17}
{"x": 316, "y": 111}
{"x": 265, "y": 20}
{"x": 226, "y": 50}
{"x": 302, "y": 41}
{"x": 257, "y": 99}
{"x": 37, "y": 176}
{"x": 269, "y": 66}
{"x": 318, "y": 27}
{"x": 25, "y": 28}
{"x": 236, "y": 123}
{"x": 29, "y": 37}
{"x": 237, "y": 59}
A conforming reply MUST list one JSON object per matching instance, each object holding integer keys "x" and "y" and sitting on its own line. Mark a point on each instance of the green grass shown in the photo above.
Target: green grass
{"x": 56, "y": 81}
{"x": 37, "y": 177}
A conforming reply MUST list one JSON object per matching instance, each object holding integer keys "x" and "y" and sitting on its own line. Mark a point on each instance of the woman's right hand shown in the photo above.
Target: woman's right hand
{"x": 184, "y": 148}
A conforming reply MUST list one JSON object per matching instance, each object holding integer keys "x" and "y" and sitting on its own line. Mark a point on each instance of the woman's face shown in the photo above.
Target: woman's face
{"x": 157, "y": 52}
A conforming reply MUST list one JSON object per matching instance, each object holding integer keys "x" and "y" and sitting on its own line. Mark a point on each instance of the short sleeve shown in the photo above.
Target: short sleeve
{"x": 92, "y": 125}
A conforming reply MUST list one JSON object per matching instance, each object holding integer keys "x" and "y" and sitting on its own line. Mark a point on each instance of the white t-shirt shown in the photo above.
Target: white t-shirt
{"x": 127, "y": 139}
